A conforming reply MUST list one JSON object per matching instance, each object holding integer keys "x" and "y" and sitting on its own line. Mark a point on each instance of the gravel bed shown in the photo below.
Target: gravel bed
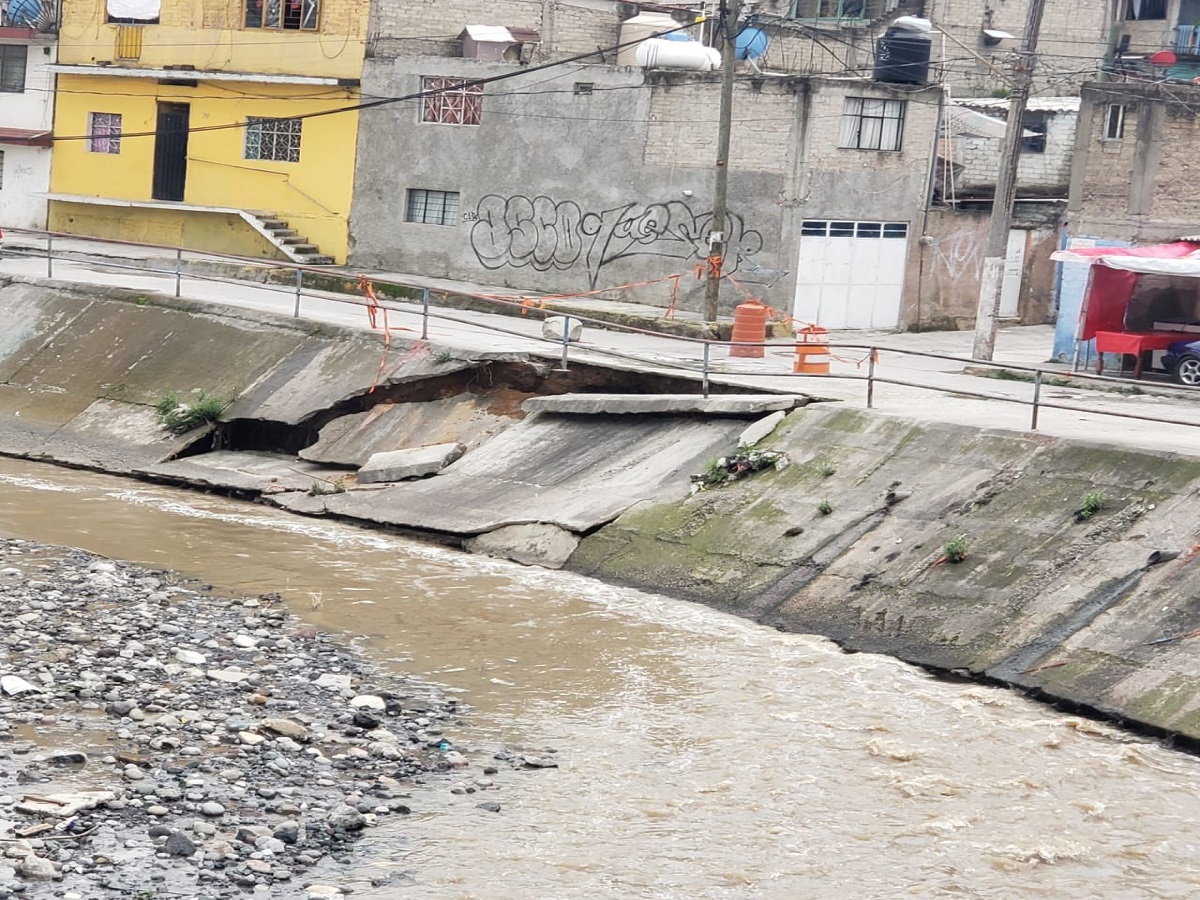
{"x": 158, "y": 741}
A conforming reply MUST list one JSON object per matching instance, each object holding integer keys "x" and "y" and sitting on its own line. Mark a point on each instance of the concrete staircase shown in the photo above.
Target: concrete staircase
{"x": 294, "y": 246}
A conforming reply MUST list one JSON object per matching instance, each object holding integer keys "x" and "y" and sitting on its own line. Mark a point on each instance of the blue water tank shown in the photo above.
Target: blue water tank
{"x": 751, "y": 43}
{"x": 902, "y": 56}
{"x": 677, "y": 36}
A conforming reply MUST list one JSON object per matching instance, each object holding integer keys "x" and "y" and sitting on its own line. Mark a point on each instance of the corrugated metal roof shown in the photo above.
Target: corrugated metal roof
{"x": 1036, "y": 104}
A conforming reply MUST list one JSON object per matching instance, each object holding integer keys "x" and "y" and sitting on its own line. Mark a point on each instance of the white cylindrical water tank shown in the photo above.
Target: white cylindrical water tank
{"x": 656, "y": 53}
{"x": 641, "y": 26}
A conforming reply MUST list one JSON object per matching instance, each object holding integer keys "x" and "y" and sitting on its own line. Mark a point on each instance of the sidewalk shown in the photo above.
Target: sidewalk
{"x": 475, "y": 332}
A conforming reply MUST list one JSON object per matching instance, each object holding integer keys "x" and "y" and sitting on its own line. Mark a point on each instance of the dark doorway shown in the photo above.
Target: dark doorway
{"x": 170, "y": 151}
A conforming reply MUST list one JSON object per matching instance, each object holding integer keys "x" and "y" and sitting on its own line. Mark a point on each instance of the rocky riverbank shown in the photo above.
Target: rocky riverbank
{"x": 158, "y": 741}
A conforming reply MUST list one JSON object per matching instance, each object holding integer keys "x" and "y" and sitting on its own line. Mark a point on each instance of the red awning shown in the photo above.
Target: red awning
{"x": 25, "y": 136}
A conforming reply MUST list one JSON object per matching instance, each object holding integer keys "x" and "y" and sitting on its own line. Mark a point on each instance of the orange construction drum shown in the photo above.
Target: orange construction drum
{"x": 812, "y": 351}
{"x": 749, "y": 327}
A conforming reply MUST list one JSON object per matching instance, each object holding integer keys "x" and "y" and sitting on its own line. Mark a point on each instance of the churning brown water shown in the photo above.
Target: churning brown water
{"x": 701, "y": 756}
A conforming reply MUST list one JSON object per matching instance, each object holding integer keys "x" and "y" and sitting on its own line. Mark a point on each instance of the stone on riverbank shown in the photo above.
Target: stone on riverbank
{"x": 414, "y": 462}
{"x": 538, "y": 544}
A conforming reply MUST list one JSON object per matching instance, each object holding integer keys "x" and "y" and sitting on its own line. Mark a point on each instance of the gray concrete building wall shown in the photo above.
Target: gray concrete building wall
{"x": 1139, "y": 186}
{"x": 565, "y": 191}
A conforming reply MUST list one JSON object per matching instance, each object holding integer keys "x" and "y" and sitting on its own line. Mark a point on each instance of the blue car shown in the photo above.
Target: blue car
{"x": 1182, "y": 360}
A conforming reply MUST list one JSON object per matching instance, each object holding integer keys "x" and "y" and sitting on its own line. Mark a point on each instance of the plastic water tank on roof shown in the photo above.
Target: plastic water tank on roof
{"x": 638, "y": 29}
{"x": 902, "y": 54}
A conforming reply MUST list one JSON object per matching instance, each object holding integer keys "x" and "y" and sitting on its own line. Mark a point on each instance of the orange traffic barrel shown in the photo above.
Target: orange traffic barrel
{"x": 749, "y": 328}
{"x": 812, "y": 351}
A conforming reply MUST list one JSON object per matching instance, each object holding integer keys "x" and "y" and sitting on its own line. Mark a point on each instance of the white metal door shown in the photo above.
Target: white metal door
{"x": 1014, "y": 268}
{"x": 851, "y": 274}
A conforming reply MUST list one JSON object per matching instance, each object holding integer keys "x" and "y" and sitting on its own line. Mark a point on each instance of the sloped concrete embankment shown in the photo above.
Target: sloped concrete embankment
{"x": 1097, "y": 612}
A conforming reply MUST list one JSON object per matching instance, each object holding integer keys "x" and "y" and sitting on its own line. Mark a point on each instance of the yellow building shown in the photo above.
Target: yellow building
{"x": 197, "y": 124}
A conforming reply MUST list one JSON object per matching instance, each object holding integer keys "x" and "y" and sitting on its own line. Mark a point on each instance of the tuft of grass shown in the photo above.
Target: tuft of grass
{"x": 956, "y": 548}
{"x": 826, "y": 470}
{"x": 179, "y": 417}
{"x": 824, "y": 507}
{"x": 321, "y": 488}
{"x": 1093, "y": 502}
{"x": 442, "y": 357}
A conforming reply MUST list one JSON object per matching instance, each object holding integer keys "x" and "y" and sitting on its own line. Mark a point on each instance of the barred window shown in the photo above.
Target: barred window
{"x": 104, "y": 132}
{"x": 12, "y": 68}
{"x": 432, "y": 207}
{"x": 286, "y": 14}
{"x": 453, "y": 101}
{"x": 274, "y": 139}
{"x": 869, "y": 124}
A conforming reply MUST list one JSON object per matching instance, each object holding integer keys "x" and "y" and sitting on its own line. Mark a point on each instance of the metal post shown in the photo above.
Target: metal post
{"x": 425, "y": 314}
{"x": 704, "y": 369}
{"x": 299, "y": 282}
{"x": 566, "y": 340}
{"x": 178, "y": 268}
{"x": 871, "y": 379}
{"x": 718, "y": 238}
{"x": 1037, "y": 396}
{"x": 49, "y": 256}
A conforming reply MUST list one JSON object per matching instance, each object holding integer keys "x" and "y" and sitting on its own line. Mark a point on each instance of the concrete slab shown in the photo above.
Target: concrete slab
{"x": 663, "y": 404}
{"x": 759, "y": 430}
{"x": 468, "y": 419}
{"x": 414, "y": 462}
{"x": 536, "y": 544}
{"x": 575, "y": 474}
{"x": 244, "y": 471}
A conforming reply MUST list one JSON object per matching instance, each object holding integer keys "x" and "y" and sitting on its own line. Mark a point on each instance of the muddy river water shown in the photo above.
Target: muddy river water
{"x": 701, "y": 756}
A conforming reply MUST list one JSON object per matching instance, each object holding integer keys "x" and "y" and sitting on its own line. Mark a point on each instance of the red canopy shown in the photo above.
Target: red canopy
{"x": 1111, "y": 286}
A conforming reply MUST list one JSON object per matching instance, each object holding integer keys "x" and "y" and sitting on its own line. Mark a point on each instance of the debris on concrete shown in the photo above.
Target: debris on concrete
{"x": 728, "y": 469}
{"x": 414, "y": 462}
{"x": 555, "y": 327}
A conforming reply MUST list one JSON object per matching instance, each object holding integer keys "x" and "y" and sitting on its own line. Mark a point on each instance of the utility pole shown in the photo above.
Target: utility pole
{"x": 1006, "y": 190}
{"x": 718, "y": 243}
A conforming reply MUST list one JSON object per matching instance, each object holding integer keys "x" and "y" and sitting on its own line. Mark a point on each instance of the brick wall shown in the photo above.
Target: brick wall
{"x": 683, "y": 126}
{"x": 1041, "y": 172}
{"x": 1139, "y": 188}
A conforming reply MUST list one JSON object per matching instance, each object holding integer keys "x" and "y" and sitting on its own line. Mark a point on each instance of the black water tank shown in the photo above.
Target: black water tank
{"x": 902, "y": 56}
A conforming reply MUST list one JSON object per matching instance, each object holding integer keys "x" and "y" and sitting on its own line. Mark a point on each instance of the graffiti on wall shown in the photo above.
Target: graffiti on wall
{"x": 545, "y": 234}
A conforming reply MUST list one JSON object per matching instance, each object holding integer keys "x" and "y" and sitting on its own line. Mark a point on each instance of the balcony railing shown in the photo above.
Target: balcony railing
{"x": 38, "y": 15}
{"x": 841, "y": 10}
{"x": 1187, "y": 40}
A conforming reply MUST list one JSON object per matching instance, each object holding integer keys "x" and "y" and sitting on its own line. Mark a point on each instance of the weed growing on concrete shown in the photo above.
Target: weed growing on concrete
{"x": 1093, "y": 502}
{"x": 178, "y": 417}
{"x": 442, "y": 357}
{"x": 826, "y": 470}
{"x": 824, "y": 507}
{"x": 955, "y": 550}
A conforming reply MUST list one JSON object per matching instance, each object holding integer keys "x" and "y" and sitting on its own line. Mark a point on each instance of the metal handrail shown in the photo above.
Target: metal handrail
{"x": 705, "y": 369}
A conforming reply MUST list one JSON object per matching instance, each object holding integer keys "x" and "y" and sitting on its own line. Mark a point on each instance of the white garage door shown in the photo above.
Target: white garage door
{"x": 851, "y": 274}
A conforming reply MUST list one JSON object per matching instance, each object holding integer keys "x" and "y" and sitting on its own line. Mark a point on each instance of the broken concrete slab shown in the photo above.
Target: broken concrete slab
{"x": 743, "y": 405}
{"x": 415, "y": 462}
{"x": 556, "y": 326}
{"x": 577, "y": 474}
{"x": 246, "y": 470}
{"x": 63, "y": 805}
{"x": 535, "y": 544}
{"x": 761, "y": 429}
{"x": 466, "y": 418}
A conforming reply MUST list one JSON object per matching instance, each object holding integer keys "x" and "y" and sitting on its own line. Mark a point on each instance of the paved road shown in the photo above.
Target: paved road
{"x": 482, "y": 332}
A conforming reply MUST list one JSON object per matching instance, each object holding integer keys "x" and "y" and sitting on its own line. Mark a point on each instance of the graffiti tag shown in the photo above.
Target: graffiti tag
{"x": 545, "y": 234}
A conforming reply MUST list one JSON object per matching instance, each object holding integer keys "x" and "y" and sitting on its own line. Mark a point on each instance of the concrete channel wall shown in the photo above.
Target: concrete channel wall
{"x": 847, "y": 541}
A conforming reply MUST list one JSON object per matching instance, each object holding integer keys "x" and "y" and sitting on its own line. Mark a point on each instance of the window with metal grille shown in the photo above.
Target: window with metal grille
{"x": 1145, "y": 9}
{"x": 104, "y": 132}
{"x": 289, "y": 15}
{"x": 432, "y": 207}
{"x": 1036, "y": 122}
{"x": 1114, "y": 122}
{"x": 273, "y": 139}
{"x": 451, "y": 101}
{"x": 870, "y": 124}
{"x": 12, "y": 68}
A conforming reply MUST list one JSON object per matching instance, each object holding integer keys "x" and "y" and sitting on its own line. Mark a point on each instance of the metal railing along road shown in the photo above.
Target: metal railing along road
{"x": 703, "y": 367}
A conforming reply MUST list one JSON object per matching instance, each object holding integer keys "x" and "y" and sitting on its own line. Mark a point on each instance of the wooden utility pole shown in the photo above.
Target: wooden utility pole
{"x": 718, "y": 236}
{"x": 1006, "y": 190}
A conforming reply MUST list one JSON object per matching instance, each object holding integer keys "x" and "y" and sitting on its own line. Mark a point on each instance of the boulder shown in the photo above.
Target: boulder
{"x": 537, "y": 544}
{"x": 415, "y": 462}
